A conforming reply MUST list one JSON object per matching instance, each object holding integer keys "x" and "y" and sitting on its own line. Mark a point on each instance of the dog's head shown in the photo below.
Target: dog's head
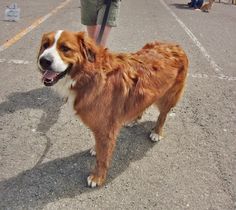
{"x": 60, "y": 51}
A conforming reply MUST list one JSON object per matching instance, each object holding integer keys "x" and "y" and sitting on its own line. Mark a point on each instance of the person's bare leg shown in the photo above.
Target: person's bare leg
{"x": 105, "y": 36}
{"x": 92, "y": 31}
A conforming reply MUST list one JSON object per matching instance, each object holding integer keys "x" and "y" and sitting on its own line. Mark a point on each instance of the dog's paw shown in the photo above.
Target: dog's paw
{"x": 131, "y": 124}
{"x": 155, "y": 137}
{"x": 134, "y": 122}
{"x": 94, "y": 181}
{"x": 92, "y": 151}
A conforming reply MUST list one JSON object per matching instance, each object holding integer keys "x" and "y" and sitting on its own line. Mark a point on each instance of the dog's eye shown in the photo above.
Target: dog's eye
{"x": 65, "y": 49}
{"x": 46, "y": 45}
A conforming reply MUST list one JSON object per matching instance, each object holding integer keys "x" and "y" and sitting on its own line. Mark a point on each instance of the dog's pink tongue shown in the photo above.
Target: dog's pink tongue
{"x": 50, "y": 75}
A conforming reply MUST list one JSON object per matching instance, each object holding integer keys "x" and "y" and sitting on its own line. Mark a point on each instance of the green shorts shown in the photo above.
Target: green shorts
{"x": 92, "y": 12}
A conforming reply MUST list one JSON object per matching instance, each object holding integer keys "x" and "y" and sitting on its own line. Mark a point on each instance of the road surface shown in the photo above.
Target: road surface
{"x": 44, "y": 158}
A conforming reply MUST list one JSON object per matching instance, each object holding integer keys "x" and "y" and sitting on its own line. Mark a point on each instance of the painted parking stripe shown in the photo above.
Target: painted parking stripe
{"x": 213, "y": 64}
{"x": 35, "y": 24}
{"x": 15, "y": 61}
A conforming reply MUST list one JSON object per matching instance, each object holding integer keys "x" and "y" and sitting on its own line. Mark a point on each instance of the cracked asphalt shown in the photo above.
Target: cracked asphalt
{"x": 44, "y": 158}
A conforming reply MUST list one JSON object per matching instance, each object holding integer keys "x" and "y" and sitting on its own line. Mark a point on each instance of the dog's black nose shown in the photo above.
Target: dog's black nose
{"x": 45, "y": 62}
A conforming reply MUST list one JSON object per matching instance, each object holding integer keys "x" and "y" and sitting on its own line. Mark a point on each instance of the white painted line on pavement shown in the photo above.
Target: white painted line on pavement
{"x": 35, "y": 24}
{"x": 205, "y": 76}
{"x": 15, "y": 61}
{"x": 217, "y": 68}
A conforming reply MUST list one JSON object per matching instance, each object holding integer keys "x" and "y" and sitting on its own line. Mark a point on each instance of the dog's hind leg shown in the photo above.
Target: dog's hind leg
{"x": 165, "y": 104}
{"x": 168, "y": 101}
{"x": 157, "y": 134}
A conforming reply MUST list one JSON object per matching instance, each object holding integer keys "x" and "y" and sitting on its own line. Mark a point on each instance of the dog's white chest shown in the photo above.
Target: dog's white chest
{"x": 64, "y": 88}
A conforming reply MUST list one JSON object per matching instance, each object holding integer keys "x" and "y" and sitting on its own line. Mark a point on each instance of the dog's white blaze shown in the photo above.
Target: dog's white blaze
{"x": 58, "y": 64}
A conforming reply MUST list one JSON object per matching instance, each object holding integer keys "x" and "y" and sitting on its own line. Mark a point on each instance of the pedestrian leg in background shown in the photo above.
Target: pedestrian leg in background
{"x": 92, "y": 13}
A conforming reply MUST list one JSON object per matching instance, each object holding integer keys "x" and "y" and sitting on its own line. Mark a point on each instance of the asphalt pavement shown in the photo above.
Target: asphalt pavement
{"x": 44, "y": 158}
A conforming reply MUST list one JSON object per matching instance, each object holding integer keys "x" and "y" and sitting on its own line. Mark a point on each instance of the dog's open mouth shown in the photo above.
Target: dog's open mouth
{"x": 51, "y": 77}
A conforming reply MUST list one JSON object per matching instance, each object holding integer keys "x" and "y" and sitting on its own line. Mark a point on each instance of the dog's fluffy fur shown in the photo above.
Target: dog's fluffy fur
{"x": 109, "y": 89}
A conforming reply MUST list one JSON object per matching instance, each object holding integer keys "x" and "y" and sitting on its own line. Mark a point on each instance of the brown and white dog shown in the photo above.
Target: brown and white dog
{"x": 109, "y": 89}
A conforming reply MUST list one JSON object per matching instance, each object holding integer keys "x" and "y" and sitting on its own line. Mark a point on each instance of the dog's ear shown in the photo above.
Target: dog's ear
{"x": 87, "y": 47}
{"x": 45, "y": 42}
{"x": 40, "y": 49}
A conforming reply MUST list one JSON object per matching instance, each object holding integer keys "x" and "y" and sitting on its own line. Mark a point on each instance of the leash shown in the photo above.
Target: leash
{"x": 104, "y": 21}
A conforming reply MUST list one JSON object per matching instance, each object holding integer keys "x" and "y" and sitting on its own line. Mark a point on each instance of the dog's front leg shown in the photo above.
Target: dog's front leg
{"x": 104, "y": 146}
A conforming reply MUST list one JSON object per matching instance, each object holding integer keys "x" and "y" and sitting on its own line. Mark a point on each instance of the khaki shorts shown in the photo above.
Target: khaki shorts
{"x": 92, "y": 12}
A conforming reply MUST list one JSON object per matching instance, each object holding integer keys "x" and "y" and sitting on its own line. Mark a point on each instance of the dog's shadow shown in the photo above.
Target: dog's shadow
{"x": 42, "y": 98}
{"x": 64, "y": 177}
